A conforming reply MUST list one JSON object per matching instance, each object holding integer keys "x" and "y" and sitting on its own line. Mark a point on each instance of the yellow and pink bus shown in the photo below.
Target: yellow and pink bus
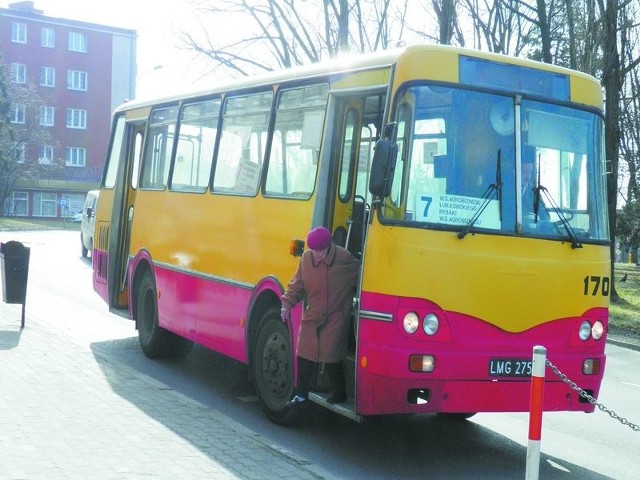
{"x": 471, "y": 186}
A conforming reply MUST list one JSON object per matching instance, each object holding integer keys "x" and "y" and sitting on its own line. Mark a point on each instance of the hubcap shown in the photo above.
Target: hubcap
{"x": 275, "y": 366}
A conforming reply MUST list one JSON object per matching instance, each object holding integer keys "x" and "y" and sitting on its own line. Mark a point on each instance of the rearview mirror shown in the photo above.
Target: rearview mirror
{"x": 382, "y": 167}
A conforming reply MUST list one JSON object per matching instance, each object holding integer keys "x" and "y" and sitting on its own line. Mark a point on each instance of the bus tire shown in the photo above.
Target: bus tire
{"x": 156, "y": 342}
{"x": 456, "y": 417}
{"x": 272, "y": 365}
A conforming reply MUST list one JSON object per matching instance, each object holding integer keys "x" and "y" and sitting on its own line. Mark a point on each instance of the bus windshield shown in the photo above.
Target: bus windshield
{"x": 461, "y": 156}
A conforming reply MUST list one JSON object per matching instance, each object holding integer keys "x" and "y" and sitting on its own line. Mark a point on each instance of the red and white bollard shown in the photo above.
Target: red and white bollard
{"x": 535, "y": 412}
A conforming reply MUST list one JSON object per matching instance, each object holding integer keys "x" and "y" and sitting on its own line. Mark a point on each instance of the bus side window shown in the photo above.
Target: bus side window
{"x": 293, "y": 160}
{"x": 245, "y": 124}
{"x": 158, "y": 148}
{"x": 196, "y": 142}
{"x": 115, "y": 153}
{"x": 137, "y": 157}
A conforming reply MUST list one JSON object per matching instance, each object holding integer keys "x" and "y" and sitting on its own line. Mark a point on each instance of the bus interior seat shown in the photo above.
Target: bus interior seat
{"x": 340, "y": 236}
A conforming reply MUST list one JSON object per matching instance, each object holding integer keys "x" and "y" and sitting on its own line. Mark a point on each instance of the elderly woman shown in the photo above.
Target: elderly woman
{"x": 325, "y": 279}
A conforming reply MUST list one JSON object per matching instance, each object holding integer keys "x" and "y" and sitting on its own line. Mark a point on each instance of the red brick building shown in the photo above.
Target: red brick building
{"x": 81, "y": 72}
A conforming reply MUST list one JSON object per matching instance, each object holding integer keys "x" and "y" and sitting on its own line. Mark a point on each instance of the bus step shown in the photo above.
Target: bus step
{"x": 122, "y": 312}
{"x": 346, "y": 409}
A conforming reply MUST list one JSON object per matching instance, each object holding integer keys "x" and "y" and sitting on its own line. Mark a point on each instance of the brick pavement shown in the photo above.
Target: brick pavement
{"x": 66, "y": 412}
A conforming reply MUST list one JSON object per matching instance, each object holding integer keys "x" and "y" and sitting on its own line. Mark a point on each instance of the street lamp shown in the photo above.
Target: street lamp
{"x": 145, "y": 74}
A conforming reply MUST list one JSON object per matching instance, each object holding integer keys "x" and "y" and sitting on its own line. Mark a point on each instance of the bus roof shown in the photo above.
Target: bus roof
{"x": 347, "y": 63}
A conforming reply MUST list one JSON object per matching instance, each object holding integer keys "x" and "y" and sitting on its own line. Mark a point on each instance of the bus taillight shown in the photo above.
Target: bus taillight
{"x": 591, "y": 366}
{"x": 422, "y": 363}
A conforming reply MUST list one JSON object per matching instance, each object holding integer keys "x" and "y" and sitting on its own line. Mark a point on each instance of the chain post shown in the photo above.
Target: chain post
{"x": 583, "y": 394}
{"x": 535, "y": 412}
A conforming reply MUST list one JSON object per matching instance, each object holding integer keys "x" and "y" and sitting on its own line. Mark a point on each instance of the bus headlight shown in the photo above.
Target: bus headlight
{"x": 585, "y": 330}
{"x": 410, "y": 322}
{"x": 430, "y": 324}
{"x": 597, "y": 330}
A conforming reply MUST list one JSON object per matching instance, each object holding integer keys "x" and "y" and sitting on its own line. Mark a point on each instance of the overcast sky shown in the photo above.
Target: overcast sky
{"x": 156, "y": 22}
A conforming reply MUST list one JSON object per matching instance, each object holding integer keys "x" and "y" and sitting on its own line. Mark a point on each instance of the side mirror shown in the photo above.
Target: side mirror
{"x": 382, "y": 167}
{"x": 89, "y": 212}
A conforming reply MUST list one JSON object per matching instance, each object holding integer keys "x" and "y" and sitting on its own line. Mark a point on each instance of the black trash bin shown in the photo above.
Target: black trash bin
{"x": 14, "y": 264}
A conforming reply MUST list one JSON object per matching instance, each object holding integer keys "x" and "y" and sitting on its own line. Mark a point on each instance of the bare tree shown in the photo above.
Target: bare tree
{"x": 497, "y": 26}
{"x": 283, "y": 33}
{"x": 630, "y": 99}
{"x": 561, "y": 32}
{"x": 611, "y": 79}
{"x": 628, "y": 218}
{"x": 20, "y": 143}
{"x": 448, "y": 26}
{"x": 584, "y": 36}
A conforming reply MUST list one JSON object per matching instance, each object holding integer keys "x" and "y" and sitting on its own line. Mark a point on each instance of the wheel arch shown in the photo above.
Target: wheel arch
{"x": 265, "y": 296}
{"x": 141, "y": 265}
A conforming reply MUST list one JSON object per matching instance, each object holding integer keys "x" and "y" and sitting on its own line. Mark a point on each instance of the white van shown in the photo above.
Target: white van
{"x": 88, "y": 223}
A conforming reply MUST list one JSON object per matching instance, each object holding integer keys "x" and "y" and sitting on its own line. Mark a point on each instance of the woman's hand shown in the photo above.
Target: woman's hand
{"x": 285, "y": 314}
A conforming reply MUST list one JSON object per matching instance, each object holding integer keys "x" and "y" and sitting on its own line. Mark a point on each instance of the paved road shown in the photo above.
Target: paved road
{"x": 68, "y": 412}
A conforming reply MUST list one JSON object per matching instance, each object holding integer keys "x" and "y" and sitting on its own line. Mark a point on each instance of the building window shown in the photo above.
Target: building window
{"x": 19, "y": 72}
{"x": 47, "y": 76}
{"x": 48, "y": 37}
{"x": 45, "y": 204}
{"x": 20, "y": 153}
{"x": 46, "y": 155}
{"x": 46, "y": 116}
{"x": 70, "y": 204}
{"x": 17, "y": 205}
{"x": 76, "y": 80}
{"x": 76, "y": 157}
{"x": 76, "y": 118}
{"x": 18, "y": 114}
{"x": 19, "y": 32}
{"x": 77, "y": 42}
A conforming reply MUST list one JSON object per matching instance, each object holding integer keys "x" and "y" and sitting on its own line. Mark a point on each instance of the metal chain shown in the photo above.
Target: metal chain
{"x": 573, "y": 386}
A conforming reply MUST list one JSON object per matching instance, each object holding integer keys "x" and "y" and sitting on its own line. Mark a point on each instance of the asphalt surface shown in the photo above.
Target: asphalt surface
{"x": 69, "y": 412}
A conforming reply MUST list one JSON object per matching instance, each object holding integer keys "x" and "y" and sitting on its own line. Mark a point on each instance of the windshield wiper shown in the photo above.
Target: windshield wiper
{"x": 575, "y": 243}
{"x": 486, "y": 198}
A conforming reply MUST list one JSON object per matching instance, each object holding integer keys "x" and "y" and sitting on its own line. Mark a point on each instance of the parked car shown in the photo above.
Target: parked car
{"x": 88, "y": 222}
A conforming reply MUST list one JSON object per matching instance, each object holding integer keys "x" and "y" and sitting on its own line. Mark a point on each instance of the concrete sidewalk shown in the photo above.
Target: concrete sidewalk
{"x": 67, "y": 412}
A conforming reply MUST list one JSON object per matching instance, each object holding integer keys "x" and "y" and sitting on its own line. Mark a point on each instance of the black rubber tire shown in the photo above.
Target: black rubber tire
{"x": 272, "y": 365}
{"x": 85, "y": 251}
{"x": 456, "y": 416}
{"x": 156, "y": 342}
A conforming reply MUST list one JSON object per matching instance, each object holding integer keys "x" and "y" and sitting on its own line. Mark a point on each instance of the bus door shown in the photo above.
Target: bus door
{"x": 356, "y": 121}
{"x": 122, "y": 214}
{"x": 358, "y": 128}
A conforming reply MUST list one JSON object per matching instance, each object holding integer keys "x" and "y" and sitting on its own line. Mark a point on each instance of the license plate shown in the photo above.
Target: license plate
{"x": 509, "y": 367}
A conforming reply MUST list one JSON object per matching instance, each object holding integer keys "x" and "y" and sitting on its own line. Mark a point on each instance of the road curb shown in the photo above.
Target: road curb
{"x": 624, "y": 344}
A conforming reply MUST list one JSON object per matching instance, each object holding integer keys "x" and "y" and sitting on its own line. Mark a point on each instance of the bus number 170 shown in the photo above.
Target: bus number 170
{"x": 594, "y": 285}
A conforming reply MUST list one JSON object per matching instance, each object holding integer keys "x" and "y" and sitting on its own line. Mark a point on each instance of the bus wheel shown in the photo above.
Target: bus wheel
{"x": 273, "y": 368}
{"x": 156, "y": 342}
{"x": 456, "y": 416}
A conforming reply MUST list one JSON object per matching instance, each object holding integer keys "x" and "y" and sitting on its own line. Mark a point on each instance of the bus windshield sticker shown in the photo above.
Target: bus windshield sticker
{"x": 456, "y": 210}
